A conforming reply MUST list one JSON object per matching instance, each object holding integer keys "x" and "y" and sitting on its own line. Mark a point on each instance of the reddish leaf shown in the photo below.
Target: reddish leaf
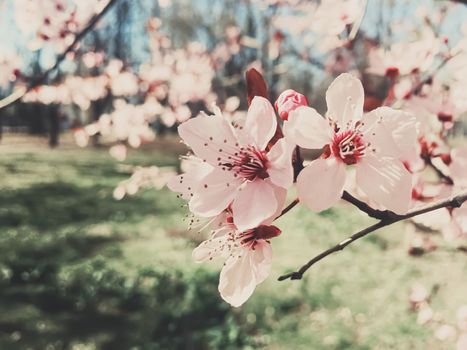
{"x": 255, "y": 85}
{"x": 372, "y": 102}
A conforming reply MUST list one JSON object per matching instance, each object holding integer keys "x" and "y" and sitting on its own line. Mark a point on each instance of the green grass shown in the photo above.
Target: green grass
{"x": 81, "y": 270}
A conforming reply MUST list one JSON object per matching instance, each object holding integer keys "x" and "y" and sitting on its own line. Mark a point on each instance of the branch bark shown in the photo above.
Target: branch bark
{"x": 374, "y": 213}
{"x": 454, "y": 202}
{"x": 18, "y": 93}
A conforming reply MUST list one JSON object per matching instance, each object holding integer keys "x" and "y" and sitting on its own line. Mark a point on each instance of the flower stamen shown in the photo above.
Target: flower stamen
{"x": 348, "y": 146}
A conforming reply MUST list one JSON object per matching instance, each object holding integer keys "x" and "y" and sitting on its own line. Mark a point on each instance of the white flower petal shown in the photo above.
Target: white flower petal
{"x": 281, "y": 196}
{"x": 321, "y": 183}
{"x": 261, "y": 123}
{"x": 344, "y": 99}
{"x": 253, "y": 204}
{"x": 261, "y": 259}
{"x": 210, "y": 249}
{"x": 280, "y": 160}
{"x": 458, "y": 166}
{"x": 186, "y": 182}
{"x": 307, "y": 128}
{"x": 391, "y": 132}
{"x": 209, "y": 137}
{"x": 386, "y": 182}
{"x": 214, "y": 193}
{"x": 241, "y": 274}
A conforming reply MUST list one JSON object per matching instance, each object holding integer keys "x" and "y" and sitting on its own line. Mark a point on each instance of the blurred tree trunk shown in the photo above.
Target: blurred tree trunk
{"x": 121, "y": 45}
{"x": 54, "y": 126}
{"x": 1, "y": 125}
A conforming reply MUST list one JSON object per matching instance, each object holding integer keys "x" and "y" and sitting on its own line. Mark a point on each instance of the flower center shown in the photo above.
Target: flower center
{"x": 348, "y": 146}
{"x": 445, "y": 117}
{"x": 250, "y": 163}
{"x": 264, "y": 232}
{"x": 392, "y": 72}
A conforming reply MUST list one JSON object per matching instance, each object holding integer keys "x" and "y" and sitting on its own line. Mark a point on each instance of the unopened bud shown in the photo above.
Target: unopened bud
{"x": 288, "y": 101}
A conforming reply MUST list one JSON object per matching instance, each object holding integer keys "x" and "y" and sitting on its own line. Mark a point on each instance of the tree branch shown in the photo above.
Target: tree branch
{"x": 374, "y": 213}
{"x": 455, "y": 202}
{"x": 18, "y": 93}
{"x": 287, "y": 208}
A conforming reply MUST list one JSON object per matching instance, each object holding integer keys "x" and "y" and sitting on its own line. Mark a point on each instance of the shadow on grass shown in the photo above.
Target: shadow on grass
{"x": 51, "y": 206}
{"x": 63, "y": 296}
{"x": 59, "y": 286}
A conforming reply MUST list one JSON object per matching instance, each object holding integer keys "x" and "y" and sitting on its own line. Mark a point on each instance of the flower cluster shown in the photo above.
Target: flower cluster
{"x": 54, "y": 21}
{"x": 9, "y": 68}
{"x": 454, "y": 331}
{"x": 239, "y": 175}
{"x": 127, "y": 123}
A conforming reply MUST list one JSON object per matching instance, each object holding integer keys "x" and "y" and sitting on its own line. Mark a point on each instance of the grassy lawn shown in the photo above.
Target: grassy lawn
{"x": 81, "y": 270}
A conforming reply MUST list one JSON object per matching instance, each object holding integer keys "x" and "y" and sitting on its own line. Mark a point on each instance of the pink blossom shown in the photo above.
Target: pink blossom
{"x": 241, "y": 172}
{"x": 458, "y": 166}
{"x": 373, "y": 143}
{"x": 462, "y": 318}
{"x": 446, "y": 332}
{"x": 249, "y": 258}
{"x": 9, "y": 68}
{"x": 288, "y": 101}
{"x": 457, "y": 229}
{"x": 124, "y": 84}
{"x": 418, "y": 295}
{"x": 142, "y": 178}
{"x": 54, "y": 21}
{"x": 119, "y": 152}
{"x": 403, "y": 58}
{"x": 332, "y": 16}
{"x": 462, "y": 342}
{"x": 425, "y": 314}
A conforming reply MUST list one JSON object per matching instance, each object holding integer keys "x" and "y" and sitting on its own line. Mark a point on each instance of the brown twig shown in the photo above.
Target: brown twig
{"x": 374, "y": 213}
{"x": 21, "y": 91}
{"x": 287, "y": 208}
{"x": 297, "y": 163}
{"x": 456, "y": 202}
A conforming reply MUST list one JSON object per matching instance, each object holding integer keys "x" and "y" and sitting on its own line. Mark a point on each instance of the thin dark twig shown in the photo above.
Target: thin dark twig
{"x": 287, "y": 209}
{"x": 374, "y": 213}
{"x": 456, "y": 202}
{"x": 297, "y": 163}
{"x": 20, "y": 92}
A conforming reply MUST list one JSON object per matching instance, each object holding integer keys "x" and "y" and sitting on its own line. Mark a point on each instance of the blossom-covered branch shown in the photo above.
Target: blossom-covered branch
{"x": 454, "y": 202}
{"x": 21, "y": 91}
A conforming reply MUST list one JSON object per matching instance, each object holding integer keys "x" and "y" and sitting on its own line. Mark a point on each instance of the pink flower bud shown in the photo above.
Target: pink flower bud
{"x": 446, "y": 158}
{"x": 288, "y": 101}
